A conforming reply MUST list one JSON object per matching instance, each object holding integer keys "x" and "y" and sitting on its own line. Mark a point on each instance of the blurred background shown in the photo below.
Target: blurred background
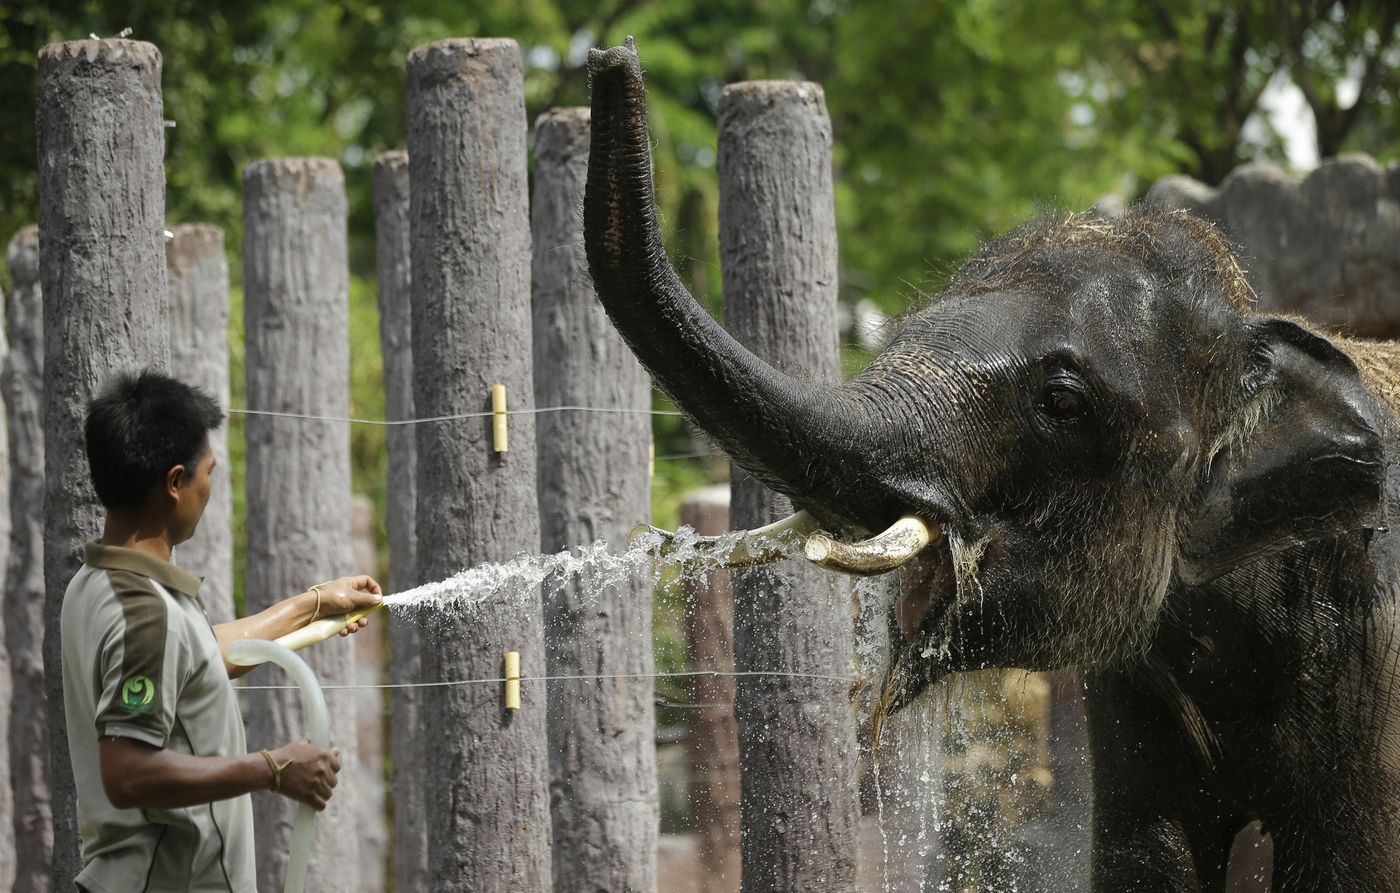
{"x": 953, "y": 121}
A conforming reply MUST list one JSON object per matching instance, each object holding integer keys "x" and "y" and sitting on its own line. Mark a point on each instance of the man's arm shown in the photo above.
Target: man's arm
{"x": 336, "y": 597}
{"x": 136, "y": 775}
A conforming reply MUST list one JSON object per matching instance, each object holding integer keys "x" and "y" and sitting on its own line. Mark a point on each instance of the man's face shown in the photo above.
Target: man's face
{"x": 192, "y": 495}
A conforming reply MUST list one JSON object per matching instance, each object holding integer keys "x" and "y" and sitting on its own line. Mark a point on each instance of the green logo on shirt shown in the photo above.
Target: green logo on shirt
{"x": 137, "y": 694}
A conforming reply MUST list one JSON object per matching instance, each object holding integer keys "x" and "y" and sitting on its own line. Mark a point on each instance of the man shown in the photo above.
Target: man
{"x": 154, "y": 731}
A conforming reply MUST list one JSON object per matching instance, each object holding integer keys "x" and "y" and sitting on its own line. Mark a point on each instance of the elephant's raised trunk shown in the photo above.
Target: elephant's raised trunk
{"x": 794, "y": 436}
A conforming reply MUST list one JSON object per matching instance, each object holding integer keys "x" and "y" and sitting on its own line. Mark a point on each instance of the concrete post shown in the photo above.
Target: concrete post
{"x": 367, "y": 774}
{"x": 7, "y": 800}
{"x": 1322, "y": 246}
{"x": 796, "y": 736}
{"x": 23, "y": 386}
{"x": 197, "y": 272}
{"x": 487, "y": 799}
{"x": 101, "y": 142}
{"x": 713, "y": 741}
{"x": 593, "y": 484}
{"x": 296, "y": 318}
{"x": 396, "y": 344}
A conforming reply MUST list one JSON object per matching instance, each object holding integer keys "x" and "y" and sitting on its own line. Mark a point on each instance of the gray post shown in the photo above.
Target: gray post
{"x": 396, "y": 344}
{"x": 593, "y": 484}
{"x": 7, "y": 800}
{"x": 796, "y": 736}
{"x": 1322, "y": 246}
{"x": 712, "y": 742}
{"x": 197, "y": 271}
{"x": 101, "y": 143}
{"x": 487, "y": 799}
{"x": 296, "y": 318}
{"x": 367, "y": 774}
{"x": 23, "y": 386}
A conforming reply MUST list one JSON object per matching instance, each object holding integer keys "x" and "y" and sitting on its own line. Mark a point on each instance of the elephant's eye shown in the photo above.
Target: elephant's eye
{"x": 1061, "y": 402}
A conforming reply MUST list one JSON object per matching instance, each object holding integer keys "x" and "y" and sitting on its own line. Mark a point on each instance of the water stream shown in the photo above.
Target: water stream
{"x": 597, "y": 564}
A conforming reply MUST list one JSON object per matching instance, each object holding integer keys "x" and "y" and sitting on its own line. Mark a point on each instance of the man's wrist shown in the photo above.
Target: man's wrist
{"x": 275, "y": 784}
{"x": 261, "y": 769}
{"x": 306, "y": 608}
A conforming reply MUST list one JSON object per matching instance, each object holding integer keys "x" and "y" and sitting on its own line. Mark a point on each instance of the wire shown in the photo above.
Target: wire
{"x": 499, "y": 680}
{"x": 389, "y": 423}
{"x": 686, "y": 705}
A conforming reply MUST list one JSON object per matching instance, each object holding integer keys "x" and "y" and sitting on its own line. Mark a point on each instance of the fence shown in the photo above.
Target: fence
{"x": 480, "y": 287}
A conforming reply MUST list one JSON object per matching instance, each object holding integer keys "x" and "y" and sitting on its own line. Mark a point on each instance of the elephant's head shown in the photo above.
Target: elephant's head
{"x": 1090, "y": 414}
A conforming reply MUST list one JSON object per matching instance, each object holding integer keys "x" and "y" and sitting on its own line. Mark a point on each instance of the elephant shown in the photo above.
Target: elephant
{"x": 1090, "y": 451}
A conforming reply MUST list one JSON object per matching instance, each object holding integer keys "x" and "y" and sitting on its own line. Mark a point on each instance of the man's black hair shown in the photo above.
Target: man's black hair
{"x": 139, "y": 427}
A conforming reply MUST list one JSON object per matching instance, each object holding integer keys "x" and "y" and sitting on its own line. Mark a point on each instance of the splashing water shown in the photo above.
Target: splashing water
{"x": 598, "y": 564}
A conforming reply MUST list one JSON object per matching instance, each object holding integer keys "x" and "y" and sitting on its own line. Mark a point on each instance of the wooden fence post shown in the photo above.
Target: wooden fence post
{"x": 713, "y": 741}
{"x": 197, "y": 271}
{"x": 101, "y": 139}
{"x": 796, "y": 736}
{"x": 1322, "y": 246}
{"x": 23, "y": 386}
{"x": 7, "y": 799}
{"x": 296, "y": 318}
{"x": 486, "y": 788}
{"x": 368, "y": 771}
{"x": 391, "y": 189}
{"x": 593, "y": 484}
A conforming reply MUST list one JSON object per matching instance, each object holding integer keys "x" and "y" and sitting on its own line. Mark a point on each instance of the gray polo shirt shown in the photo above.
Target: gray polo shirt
{"x": 140, "y": 661}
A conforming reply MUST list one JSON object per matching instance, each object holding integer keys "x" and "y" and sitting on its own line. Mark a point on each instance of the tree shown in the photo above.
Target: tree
{"x": 1335, "y": 47}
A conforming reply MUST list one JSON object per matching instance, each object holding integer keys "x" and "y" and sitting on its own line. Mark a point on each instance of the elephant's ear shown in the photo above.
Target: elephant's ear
{"x": 1303, "y": 462}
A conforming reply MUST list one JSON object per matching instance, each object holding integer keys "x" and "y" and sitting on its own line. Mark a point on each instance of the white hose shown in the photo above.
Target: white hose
{"x": 250, "y": 653}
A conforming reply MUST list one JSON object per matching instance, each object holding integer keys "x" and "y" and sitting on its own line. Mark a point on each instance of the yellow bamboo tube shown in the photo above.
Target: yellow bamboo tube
{"x": 512, "y": 680}
{"x": 500, "y": 438}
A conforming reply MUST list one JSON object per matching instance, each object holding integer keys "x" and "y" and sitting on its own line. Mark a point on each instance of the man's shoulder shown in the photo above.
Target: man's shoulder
{"x": 101, "y": 597}
{"x": 92, "y": 583}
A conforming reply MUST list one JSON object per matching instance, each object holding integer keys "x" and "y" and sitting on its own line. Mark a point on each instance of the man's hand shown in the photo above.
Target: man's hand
{"x": 346, "y": 594}
{"x": 340, "y": 596}
{"x": 308, "y": 772}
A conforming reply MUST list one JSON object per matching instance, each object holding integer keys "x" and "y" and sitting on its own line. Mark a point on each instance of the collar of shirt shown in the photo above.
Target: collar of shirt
{"x": 117, "y": 558}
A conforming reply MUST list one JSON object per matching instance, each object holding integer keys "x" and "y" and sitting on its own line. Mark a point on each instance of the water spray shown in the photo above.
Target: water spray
{"x": 879, "y": 554}
{"x": 740, "y": 548}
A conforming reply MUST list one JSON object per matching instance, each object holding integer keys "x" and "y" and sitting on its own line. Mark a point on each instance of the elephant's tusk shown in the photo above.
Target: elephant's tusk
{"x": 739, "y": 549}
{"x": 883, "y": 552}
